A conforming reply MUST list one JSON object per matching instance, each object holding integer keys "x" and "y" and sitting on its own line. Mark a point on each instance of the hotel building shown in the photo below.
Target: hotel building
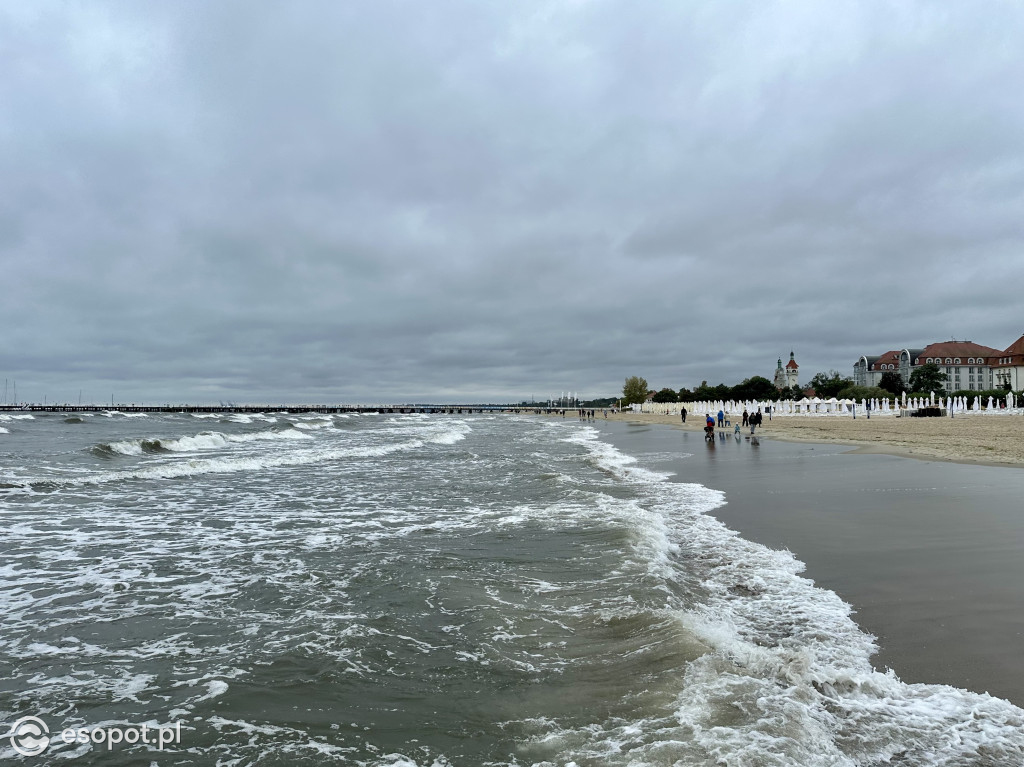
{"x": 967, "y": 365}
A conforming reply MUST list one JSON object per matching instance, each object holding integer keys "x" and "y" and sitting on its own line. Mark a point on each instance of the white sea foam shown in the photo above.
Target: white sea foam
{"x": 215, "y": 439}
{"x": 17, "y": 417}
{"x": 127, "y": 447}
{"x": 3, "y": 430}
{"x": 315, "y": 424}
{"x": 787, "y": 679}
{"x": 215, "y": 689}
{"x": 448, "y": 437}
{"x": 207, "y": 440}
{"x": 227, "y": 464}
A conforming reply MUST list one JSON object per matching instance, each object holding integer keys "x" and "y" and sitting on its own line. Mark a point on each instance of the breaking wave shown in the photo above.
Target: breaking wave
{"x": 787, "y": 678}
{"x": 207, "y": 440}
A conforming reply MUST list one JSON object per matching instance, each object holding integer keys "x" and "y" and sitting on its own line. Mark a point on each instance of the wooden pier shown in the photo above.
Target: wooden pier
{"x": 291, "y": 409}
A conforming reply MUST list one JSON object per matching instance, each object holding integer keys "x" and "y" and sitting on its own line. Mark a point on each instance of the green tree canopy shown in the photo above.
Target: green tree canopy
{"x": 666, "y": 395}
{"x": 865, "y": 392}
{"x": 635, "y": 390}
{"x": 755, "y": 387}
{"x": 928, "y": 378}
{"x": 710, "y": 393}
{"x": 827, "y": 385}
{"x": 791, "y": 393}
{"x": 892, "y": 382}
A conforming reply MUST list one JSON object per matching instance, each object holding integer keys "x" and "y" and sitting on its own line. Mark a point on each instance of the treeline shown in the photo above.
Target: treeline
{"x": 753, "y": 388}
{"x": 923, "y": 381}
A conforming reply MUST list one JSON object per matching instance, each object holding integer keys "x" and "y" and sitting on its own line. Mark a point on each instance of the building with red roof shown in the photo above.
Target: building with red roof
{"x": 1008, "y": 366}
{"x": 967, "y": 365}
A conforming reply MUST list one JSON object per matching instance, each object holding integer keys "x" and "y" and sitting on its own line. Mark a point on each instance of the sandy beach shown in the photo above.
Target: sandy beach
{"x": 968, "y": 438}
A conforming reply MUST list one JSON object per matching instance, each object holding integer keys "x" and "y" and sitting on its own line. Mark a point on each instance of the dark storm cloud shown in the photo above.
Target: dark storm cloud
{"x": 414, "y": 201}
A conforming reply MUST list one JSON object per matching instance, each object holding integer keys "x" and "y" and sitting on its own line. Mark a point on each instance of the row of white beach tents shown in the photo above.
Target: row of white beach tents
{"x": 833, "y": 406}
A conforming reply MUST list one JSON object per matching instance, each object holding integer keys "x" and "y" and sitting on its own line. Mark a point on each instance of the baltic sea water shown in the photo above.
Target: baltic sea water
{"x": 431, "y": 590}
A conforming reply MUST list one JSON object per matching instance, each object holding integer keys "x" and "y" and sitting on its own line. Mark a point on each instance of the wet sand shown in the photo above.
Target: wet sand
{"x": 929, "y": 553}
{"x": 996, "y": 439}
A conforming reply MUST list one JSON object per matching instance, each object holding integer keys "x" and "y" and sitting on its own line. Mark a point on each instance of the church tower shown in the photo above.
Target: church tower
{"x": 780, "y": 376}
{"x": 792, "y": 371}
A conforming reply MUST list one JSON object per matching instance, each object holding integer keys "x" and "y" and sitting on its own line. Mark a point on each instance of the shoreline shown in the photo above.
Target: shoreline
{"x": 927, "y": 555}
{"x": 980, "y": 440}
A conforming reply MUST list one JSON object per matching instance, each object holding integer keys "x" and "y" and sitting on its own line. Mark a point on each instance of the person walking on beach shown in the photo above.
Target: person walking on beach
{"x": 682, "y": 412}
{"x": 746, "y": 417}
{"x": 721, "y": 418}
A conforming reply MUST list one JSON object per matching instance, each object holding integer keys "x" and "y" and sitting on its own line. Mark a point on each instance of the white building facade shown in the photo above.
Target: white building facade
{"x": 967, "y": 365}
{"x": 1008, "y": 367}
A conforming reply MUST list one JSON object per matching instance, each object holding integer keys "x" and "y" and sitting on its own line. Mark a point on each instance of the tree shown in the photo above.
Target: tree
{"x": 685, "y": 395}
{"x": 755, "y": 387}
{"x": 665, "y": 395}
{"x": 791, "y": 393}
{"x": 635, "y": 391}
{"x": 892, "y": 382}
{"x": 710, "y": 393}
{"x": 928, "y": 378}
{"x": 828, "y": 385}
{"x": 865, "y": 392}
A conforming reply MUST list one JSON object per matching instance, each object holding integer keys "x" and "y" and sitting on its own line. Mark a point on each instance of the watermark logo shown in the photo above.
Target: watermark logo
{"x": 159, "y": 736}
{"x": 30, "y": 736}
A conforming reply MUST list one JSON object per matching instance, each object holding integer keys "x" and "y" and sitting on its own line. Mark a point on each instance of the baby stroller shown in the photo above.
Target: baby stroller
{"x": 709, "y": 432}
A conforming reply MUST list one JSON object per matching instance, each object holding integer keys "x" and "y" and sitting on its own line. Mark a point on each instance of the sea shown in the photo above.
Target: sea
{"x": 437, "y": 590}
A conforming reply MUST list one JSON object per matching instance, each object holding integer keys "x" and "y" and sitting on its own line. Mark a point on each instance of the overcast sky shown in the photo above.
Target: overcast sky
{"x": 444, "y": 201}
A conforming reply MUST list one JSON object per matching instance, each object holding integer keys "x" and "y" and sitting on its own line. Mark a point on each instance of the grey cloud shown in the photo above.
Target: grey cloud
{"x": 459, "y": 200}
